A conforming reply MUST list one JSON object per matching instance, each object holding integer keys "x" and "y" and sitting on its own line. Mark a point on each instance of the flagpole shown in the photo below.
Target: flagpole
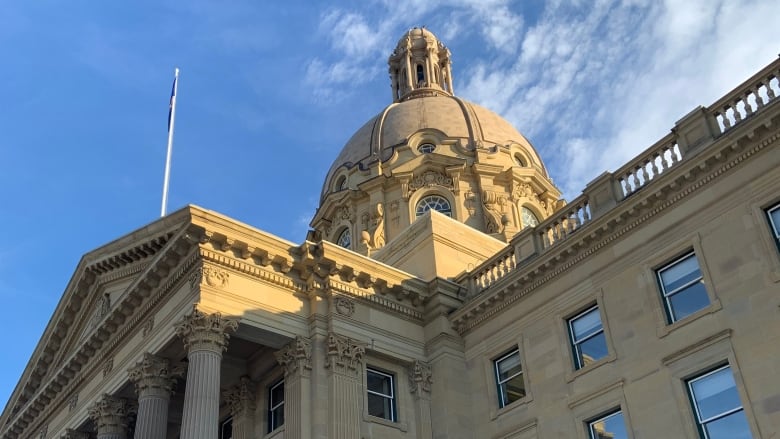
{"x": 171, "y": 117}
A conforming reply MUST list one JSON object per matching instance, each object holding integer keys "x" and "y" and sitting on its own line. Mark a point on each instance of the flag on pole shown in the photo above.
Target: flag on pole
{"x": 172, "y": 102}
{"x": 171, "y": 118}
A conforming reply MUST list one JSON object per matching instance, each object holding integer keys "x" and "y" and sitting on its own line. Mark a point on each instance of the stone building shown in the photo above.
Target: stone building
{"x": 444, "y": 291}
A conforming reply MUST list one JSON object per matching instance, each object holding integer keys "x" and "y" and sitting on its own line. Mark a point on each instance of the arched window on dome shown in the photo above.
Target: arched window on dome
{"x": 341, "y": 183}
{"x": 420, "y": 75}
{"x": 528, "y": 217}
{"x": 435, "y": 202}
{"x": 345, "y": 238}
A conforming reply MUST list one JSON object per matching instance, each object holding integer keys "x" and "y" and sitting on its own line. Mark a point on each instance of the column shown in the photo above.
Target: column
{"x": 154, "y": 379}
{"x": 420, "y": 382}
{"x": 241, "y": 400}
{"x": 345, "y": 365}
{"x": 205, "y": 336}
{"x": 295, "y": 358}
{"x": 110, "y": 415}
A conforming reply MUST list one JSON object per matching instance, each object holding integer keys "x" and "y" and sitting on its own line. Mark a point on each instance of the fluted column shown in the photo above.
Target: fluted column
{"x": 110, "y": 415}
{"x": 420, "y": 385}
{"x": 295, "y": 358}
{"x": 154, "y": 379}
{"x": 345, "y": 363}
{"x": 205, "y": 336}
{"x": 241, "y": 400}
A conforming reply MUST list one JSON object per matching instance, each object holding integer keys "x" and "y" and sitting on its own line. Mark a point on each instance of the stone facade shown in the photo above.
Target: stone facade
{"x": 601, "y": 317}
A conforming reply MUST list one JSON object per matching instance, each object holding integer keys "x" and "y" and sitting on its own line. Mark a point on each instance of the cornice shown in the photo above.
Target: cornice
{"x": 669, "y": 189}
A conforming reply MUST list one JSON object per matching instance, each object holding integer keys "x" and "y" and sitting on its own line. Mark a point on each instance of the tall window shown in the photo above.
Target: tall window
{"x": 682, "y": 287}
{"x": 276, "y": 406}
{"x": 719, "y": 413}
{"x": 420, "y": 74}
{"x": 381, "y": 394}
{"x": 586, "y": 333}
{"x": 611, "y": 426}
{"x": 226, "y": 429}
{"x": 509, "y": 378}
{"x": 345, "y": 238}
{"x": 435, "y": 202}
{"x": 773, "y": 213}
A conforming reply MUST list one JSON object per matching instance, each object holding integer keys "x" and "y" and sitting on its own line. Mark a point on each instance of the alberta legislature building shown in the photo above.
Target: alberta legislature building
{"x": 445, "y": 290}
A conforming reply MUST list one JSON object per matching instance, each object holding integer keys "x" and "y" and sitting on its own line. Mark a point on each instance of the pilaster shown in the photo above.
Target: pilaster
{"x": 111, "y": 417}
{"x": 345, "y": 365}
{"x": 154, "y": 379}
{"x": 420, "y": 383}
{"x": 241, "y": 400}
{"x": 296, "y": 359}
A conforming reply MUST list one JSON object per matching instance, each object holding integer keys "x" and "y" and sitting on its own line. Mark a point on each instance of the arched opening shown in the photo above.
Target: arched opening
{"x": 420, "y": 75}
{"x": 435, "y": 202}
{"x": 345, "y": 238}
{"x": 341, "y": 183}
{"x": 528, "y": 217}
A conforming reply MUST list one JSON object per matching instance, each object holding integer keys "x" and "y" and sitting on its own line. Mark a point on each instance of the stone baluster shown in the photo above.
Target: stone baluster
{"x": 241, "y": 400}
{"x": 111, "y": 417}
{"x": 295, "y": 358}
{"x": 420, "y": 382}
{"x": 154, "y": 379}
{"x": 205, "y": 336}
{"x": 344, "y": 364}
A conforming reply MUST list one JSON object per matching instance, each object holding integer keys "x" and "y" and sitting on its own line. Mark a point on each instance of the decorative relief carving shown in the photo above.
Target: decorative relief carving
{"x": 420, "y": 378}
{"x": 111, "y": 415}
{"x": 493, "y": 203}
{"x": 373, "y": 237}
{"x": 241, "y": 398}
{"x": 195, "y": 278}
{"x": 344, "y": 306}
{"x": 295, "y": 356}
{"x": 216, "y": 277}
{"x": 155, "y": 375}
{"x": 72, "y": 402}
{"x": 201, "y": 331}
{"x": 344, "y": 354}
{"x": 147, "y": 326}
{"x": 426, "y": 179}
{"x": 108, "y": 366}
{"x": 102, "y": 307}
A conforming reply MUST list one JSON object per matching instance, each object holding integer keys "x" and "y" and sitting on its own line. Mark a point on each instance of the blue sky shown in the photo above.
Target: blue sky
{"x": 270, "y": 91}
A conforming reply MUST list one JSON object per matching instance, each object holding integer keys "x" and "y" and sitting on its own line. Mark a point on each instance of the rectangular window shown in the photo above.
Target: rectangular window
{"x": 611, "y": 426}
{"x": 682, "y": 287}
{"x": 716, "y": 403}
{"x": 276, "y": 406}
{"x": 226, "y": 429}
{"x": 588, "y": 342}
{"x": 773, "y": 214}
{"x": 381, "y": 394}
{"x": 509, "y": 378}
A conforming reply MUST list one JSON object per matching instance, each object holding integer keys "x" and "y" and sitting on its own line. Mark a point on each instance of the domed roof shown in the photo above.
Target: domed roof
{"x": 456, "y": 118}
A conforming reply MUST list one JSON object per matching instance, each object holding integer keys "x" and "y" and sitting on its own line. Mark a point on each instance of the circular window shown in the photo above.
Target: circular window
{"x": 345, "y": 239}
{"x": 435, "y": 202}
{"x": 529, "y": 219}
{"x": 426, "y": 148}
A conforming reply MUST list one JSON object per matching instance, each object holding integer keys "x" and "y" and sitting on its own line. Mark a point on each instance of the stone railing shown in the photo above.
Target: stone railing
{"x": 698, "y": 128}
{"x": 748, "y": 98}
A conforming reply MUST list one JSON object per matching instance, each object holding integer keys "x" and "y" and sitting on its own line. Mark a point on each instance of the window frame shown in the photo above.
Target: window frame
{"x": 226, "y": 421}
{"x": 700, "y": 423}
{"x": 426, "y": 148}
{"x": 392, "y": 397}
{"x": 501, "y": 402}
{"x": 273, "y": 421}
{"x": 665, "y": 296}
{"x": 432, "y": 195}
{"x": 589, "y": 423}
{"x": 341, "y": 234}
{"x": 579, "y": 363}
{"x": 773, "y": 228}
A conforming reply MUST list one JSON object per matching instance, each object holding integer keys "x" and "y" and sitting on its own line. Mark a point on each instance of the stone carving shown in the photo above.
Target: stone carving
{"x": 494, "y": 217}
{"x": 108, "y": 366}
{"x": 295, "y": 356}
{"x": 155, "y": 374}
{"x": 201, "y": 331}
{"x": 373, "y": 237}
{"x": 214, "y": 277}
{"x": 147, "y": 326}
{"x": 102, "y": 307}
{"x": 420, "y": 378}
{"x": 195, "y": 278}
{"x": 344, "y": 354}
{"x": 111, "y": 415}
{"x": 427, "y": 179}
{"x": 344, "y": 306}
{"x": 241, "y": 397}
{"x": 72, "y": 402}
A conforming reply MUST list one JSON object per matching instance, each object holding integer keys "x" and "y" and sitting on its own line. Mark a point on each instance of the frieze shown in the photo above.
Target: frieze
{"x": 73, "y": 402}
{"x": 108, "y": 366}
{"x": 212, "y": 276}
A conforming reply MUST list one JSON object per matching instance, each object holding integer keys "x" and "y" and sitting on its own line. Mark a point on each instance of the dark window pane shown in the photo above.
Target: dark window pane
{"x": 733, "y": 426}
{"x": 593, "y": 349}
{"x": 277, "y": 394}
{"x": 509, "y": 366}
{"x": 513, "y": 389}
{"x": 379, "y": 383}
{"x": 689, "y": 300}
{"x": 379, "y": 406}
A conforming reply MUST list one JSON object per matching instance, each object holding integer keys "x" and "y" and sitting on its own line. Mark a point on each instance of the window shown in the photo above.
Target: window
{"x": 718, "y": 410}
{"x": 420, "y": 75}
{"x": 381, "y": 394}
{"x": 509, "y": 378}
{"x": 435, "y": 202}
{"x": 276, "y": 406}
{"x": 588, "y": 342}
{"x": 611, "y": 426}
{"x": 341, "y": 183}
{"x": 528, "y": 217}
{"x": 426, "y": 148}
{"x": 773, "y": 214}
{"x": 345, "y": 239}
{"x": 226, "y": 429}
{"x": 519, "y": 160}
{"x": 682, "y": 287}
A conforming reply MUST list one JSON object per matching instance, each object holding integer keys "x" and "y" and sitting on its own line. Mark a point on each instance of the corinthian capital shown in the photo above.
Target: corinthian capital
{"x": 110, "y": 414}
{"x": 155, "y": 376}
{"x": 420, "y": 378}
{"x": 241, "y": 398}
{"x": 295, "y": 357}
{"x": 201, "y": 331}
{"x": 344, "y": 354}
